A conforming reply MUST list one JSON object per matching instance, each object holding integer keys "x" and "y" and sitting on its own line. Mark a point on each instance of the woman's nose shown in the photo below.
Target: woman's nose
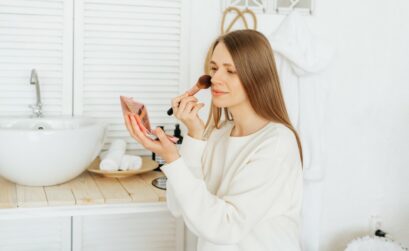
{"x": 215, "y": 81}
{"x": 217, "y": 78}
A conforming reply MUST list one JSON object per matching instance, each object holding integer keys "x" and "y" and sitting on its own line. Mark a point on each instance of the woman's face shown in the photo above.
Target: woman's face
{"x": 227, "y": 89}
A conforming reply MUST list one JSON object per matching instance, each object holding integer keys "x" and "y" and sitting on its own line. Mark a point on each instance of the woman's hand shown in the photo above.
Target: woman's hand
{"x": 185, "y": 108}
{"x": 164, "y": 147}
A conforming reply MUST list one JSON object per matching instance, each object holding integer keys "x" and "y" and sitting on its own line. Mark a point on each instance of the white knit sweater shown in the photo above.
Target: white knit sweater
{"x": 239, "y": 193}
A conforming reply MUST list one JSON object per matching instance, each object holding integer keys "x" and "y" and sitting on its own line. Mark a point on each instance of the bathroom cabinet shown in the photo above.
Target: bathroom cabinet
{"x": 147, "y": 231}
{"x": 144, "y": 231}
{"x": 101, "y": 214}
{"x": 45, "y": 234}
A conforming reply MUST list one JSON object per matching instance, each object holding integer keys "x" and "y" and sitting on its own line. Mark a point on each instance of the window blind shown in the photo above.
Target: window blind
{"x": 35, "y": 34}
{"x": 131, "y": 48}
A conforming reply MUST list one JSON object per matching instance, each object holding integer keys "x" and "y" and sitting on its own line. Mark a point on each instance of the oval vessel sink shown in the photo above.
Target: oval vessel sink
{"x": 50, "y": 150}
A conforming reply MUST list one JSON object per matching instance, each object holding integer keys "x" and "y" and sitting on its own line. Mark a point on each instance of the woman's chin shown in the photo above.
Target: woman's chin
{"x": 219, "y": 104}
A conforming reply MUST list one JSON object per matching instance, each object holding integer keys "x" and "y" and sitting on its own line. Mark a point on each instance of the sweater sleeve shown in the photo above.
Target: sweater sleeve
{"x": 192, "y": 151}
{"x": 256, "y": 187}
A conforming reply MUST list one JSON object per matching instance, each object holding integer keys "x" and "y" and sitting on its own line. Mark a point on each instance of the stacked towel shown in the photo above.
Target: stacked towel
{"x": 112, "y": 159}
{"x": 130, "y": 162}
{"x": 115, "y": 158}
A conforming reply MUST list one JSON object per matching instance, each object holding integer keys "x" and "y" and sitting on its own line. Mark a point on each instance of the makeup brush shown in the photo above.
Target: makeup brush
{"x": 202, "y": 83}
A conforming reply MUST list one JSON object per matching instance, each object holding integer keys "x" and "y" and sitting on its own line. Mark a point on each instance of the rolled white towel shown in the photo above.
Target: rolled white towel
{"x": 111, "y": 160}
{"x": 130, "y": 162}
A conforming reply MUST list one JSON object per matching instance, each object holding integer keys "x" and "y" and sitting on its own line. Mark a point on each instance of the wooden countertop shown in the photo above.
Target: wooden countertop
{"x": 86, "y": 189}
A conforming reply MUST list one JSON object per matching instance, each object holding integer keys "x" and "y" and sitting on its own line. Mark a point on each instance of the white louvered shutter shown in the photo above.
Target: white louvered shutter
{"x": 158, "y": 231}
{"x": 131, "y": 48}
{"x": 35, "y": 34}
{"x": 35, "y": 234}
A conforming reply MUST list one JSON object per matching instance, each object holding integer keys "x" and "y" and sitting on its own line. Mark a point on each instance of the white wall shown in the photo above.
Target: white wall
{"x": 367, "y": 152}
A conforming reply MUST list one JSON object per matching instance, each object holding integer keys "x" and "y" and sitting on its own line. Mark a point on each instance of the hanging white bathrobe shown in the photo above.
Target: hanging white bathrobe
{"x": 302, "y": 60}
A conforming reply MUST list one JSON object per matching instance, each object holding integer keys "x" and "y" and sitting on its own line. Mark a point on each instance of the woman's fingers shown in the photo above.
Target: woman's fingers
{"x": 140, "y": 124}
{"x": 127, "y": 121}
{"x": 163, "y": 146}
{"x": 190, "y": 110}
{"x": 186, "y": 100}
{"x": 129, "y": 126}
{"x": 141, "y": 136}
{"x": 196, "y": 108}
{"x": 182, "y": 106}
{"x": 176, "y": 101}
{"x": 185, "y": 109}
{"x": 169, "y": 151}
{"x": 162, "y": 136}
{"x": 189, "y": 106}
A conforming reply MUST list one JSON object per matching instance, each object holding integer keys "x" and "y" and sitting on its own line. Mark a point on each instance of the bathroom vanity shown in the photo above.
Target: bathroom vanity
{"x": 90, "y": 212}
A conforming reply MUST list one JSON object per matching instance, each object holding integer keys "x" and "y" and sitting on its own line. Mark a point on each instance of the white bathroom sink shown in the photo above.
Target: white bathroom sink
{"x": 50, "y": 150}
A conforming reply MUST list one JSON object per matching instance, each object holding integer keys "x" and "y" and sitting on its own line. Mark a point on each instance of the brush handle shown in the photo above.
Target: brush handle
{"x": 170, "y": 111}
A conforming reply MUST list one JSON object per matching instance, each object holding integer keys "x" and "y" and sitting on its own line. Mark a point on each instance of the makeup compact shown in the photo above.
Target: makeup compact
{"x": 129, "y": 105}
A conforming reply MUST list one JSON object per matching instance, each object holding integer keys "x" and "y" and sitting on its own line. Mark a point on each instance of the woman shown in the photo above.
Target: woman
{"x": 237, "y": 183}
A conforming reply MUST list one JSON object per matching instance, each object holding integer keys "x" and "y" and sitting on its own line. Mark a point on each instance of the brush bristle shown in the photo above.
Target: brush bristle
{"x": 205, "y": 81}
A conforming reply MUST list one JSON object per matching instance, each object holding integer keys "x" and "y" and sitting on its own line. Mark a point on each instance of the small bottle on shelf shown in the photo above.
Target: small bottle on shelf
{"x": 177, "y": 133}
{"x": 158, "y": 158}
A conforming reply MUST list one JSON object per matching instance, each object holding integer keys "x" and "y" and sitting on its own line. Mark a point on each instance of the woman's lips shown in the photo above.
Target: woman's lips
{"x": 218, "y": 93}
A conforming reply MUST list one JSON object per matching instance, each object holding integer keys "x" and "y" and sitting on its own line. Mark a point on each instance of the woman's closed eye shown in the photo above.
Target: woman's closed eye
{"x": 229, "y": 71}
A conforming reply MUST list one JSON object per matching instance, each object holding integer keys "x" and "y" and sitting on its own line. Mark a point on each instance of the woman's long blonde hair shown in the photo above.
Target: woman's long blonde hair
{"x": 255, "y": 65}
